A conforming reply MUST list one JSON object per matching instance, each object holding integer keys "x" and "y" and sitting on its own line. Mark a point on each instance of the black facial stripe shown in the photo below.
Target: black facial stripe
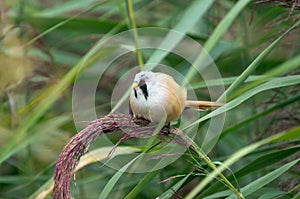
{"x": 135, "y": 93}
{"x": 143, "y": 86}
{"x": 145, "y": 91}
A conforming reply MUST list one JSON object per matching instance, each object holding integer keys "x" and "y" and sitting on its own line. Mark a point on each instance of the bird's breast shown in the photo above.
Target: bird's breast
{"x": 161, "y": 103}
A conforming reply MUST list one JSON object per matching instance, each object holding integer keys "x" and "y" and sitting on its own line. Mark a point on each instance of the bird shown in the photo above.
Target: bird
{"x": 157, "y": 97}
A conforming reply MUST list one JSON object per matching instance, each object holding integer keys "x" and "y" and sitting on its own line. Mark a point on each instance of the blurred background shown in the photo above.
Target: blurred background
{"x": 43, "y": 45}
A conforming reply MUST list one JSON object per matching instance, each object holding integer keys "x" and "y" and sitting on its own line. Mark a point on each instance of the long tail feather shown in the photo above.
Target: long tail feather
{"x": 202, "y": 105}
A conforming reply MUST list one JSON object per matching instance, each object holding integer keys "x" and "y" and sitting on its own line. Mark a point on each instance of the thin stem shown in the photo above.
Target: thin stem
{"x": 207, "y": 160}
{"x": 134, "y": 34}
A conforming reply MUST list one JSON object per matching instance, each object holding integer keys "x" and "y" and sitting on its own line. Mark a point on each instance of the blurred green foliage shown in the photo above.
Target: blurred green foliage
{"x": 44, "y": 44}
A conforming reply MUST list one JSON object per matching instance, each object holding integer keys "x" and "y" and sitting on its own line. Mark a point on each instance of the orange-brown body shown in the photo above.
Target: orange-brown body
{"x": 157, "y": 97}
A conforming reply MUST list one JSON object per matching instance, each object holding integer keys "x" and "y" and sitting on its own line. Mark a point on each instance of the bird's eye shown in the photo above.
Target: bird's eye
{"x": 142, "y": 83}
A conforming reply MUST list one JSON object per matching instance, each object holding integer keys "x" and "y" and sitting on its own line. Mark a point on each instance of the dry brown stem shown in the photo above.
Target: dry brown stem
{"x": 119, "y": 123}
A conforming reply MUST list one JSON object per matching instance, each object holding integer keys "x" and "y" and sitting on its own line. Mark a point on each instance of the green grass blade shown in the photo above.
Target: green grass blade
{"x": 81, "y": 26}
{"x": 112, "y": 182}
{"x": 217, "y": 195}
{"x": 275, "y": 83}
{"x": 284, "y": 136}
{"x": 281, "y": 105}
{"x": 212, "y": 175}
{"x": 262, "y": 181}
{"x": 64, "y": 7}
{"x": 63, "y": 23}
{"x": 190, "y": 17}
{"x": 224, "y": 24}
{"x": 170, "y": 192}
{"x": 216, "y": 36}
{"x": 293, "y": 134}
{"x": 215, "y": 170}
{"x": 134, "y": 34}
{"x": 224, "y": 81}
{"x": 297, "y": 196}
{"x": 142, "y": 184}
{"x": 257, "y": 164}
{"x": 267, "y": 160}
{"x": 254, "y": 64}
{"x": 283, "y": 69}
{"x": 271, "y": 194}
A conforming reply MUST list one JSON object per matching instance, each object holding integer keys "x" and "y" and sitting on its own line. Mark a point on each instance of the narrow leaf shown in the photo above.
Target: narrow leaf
{"x": 142, "y": 184}
{"x": 262, "y": 181}
{"x": 190, "y": 17}
{"x": 112, "y": 182}
{"x": 216, "y": 36}
{"x": 170, "y": 192}
{"x": 257, "y": 164}
{"x": 254, "y": 64}
{"x": 275, "y": 83}
{"x": 286, "y": 135}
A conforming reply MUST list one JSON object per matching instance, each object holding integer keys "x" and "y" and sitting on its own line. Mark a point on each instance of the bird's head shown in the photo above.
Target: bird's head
{"x": 142, "y": 82}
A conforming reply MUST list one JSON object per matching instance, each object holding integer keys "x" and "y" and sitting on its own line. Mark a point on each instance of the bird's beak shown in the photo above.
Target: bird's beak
{"x": 135, "y": 85}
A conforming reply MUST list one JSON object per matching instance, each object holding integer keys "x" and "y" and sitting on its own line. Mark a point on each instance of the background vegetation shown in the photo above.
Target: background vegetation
{"x": 255, "y": 45}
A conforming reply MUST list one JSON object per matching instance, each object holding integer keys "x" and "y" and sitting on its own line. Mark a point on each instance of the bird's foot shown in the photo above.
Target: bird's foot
{"x": 166, "y": 129}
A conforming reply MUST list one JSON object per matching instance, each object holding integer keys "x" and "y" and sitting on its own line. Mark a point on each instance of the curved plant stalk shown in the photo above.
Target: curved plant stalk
{"x": 135, "y": 34}
{"x": 91, "y": 157}
{"x": 119, "y": 123}
{"x": 215, "y": 170}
